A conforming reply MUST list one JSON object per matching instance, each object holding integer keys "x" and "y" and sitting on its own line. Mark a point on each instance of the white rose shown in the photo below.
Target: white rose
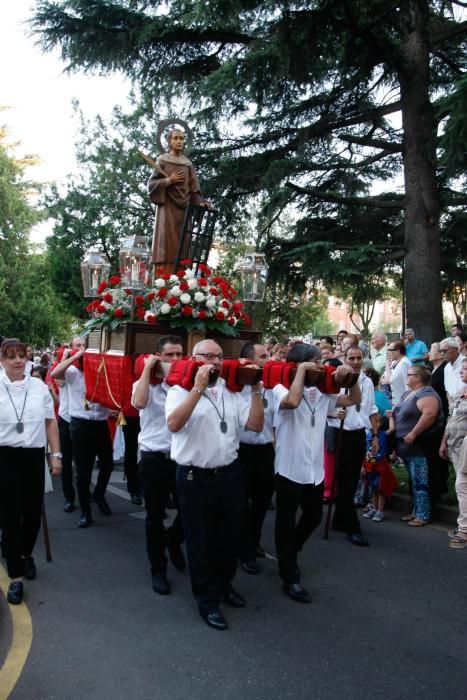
{"x": 192, "y": 283}
{"x": 189, "y": 274}
{"x": 176, "y": 291}
{"x": 173, "y": 278}
{"x": 211, "y": 302}
{"x": 159, "y": 283}
{"x": 185, "y": 298}
{"x": 165, "y": 309}
{"x": 199, "y": 297}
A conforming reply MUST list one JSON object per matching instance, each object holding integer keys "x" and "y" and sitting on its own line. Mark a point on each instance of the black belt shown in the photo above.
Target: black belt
{"x": 156, "y": 454}
{"x": 210, "y": 470}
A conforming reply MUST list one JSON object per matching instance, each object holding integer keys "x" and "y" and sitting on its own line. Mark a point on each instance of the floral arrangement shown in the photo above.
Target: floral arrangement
{"x": 192, "y": 299}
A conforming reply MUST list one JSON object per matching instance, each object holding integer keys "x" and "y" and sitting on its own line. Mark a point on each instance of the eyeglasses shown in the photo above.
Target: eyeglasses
{"x": 412, "y": 374}
{"x": 210, "y": 356}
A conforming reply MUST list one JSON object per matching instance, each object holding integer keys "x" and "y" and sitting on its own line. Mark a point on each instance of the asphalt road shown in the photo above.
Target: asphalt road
{"x": 386, "y": 622}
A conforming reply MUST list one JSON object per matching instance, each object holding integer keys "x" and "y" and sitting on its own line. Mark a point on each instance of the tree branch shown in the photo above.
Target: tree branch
{"x": 458, "y": 28}
{"x": 339, "y": 199}
{"x": 374, "y": 143}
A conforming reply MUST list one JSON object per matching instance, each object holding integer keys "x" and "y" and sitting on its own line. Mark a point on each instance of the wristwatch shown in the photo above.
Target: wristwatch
{"x": 58, "y": 455}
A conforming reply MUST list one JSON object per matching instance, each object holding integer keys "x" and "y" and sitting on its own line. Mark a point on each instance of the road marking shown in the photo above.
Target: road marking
{"x": 20, "y": 642}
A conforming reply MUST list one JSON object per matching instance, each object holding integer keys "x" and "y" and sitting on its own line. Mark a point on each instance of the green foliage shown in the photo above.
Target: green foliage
{"x": 294, "y": 106}
{"x": 29, "y": 309}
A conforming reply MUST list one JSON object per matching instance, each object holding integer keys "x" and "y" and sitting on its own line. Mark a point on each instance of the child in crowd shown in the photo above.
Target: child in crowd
{"x": 380, "y": 478}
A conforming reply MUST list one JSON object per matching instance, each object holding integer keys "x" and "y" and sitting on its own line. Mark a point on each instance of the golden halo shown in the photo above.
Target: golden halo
{"x": 167, "y": 125}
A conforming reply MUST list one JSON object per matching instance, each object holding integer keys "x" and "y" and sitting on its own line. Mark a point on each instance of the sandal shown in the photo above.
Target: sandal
{"x": 458, "y": 541}
{"x": 453, "y": 532}
{"x": 407, "y": 518}
{"x": 417, "y": 522}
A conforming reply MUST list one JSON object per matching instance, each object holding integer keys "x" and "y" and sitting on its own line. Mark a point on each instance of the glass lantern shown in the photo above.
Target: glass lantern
{"x": 253, "y": 270}
{"x": 134, "y": 262}
{"x": 94, "y": 269}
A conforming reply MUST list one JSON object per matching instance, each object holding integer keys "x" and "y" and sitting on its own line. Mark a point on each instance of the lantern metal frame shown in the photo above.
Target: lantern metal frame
{"x": 253, "y": 270}
{"x": 95, "y": 269}
{"x": 134, "y": 258}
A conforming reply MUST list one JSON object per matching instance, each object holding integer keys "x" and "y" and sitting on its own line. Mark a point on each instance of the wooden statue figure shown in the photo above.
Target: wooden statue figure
{"x": 172, "y": 186}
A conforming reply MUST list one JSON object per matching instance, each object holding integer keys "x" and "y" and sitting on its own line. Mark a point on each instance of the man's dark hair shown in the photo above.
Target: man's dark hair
{"x": 303, "y": 352}
{"x": 248, "y": 351}
{"x": 327, "y": 339}
{"x": 399, "y": 345}
{"x": 168, "y": 340}
{"x": 373, "y": 374}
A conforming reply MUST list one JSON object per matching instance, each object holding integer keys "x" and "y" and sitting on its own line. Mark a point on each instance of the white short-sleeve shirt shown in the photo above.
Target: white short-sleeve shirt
{"x": 154, "y": 435}
{"x": 358, "y": 417}
{"x": 34, "y": 395}
{"x": 300, "y": 435}
{"x": 201, "y": 442}
{"x": 267, "y": 434}
{"x": 76, "y": 385}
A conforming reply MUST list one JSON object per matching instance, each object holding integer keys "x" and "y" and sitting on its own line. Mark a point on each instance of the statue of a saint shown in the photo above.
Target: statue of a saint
{"x": 172, "y": 186}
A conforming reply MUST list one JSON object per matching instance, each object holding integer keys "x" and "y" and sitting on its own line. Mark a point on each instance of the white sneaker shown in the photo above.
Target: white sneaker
{"x": 378, "y": 516}
{"x": 370, "y": 513}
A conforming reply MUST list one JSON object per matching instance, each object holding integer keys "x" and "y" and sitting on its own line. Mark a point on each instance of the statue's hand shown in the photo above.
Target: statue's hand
{"x": 206, "y": 204}
{"x": 176, "y": 177}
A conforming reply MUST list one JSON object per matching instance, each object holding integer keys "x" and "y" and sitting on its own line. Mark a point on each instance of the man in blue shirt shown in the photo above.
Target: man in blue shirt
{"x": 416, "y": 350}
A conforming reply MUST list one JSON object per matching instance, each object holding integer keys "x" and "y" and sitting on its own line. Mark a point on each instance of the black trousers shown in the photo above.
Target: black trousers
{"x": 157, "y": 473}
{"x": 257, "y": 463}
{"x": 130, "y": 460}
{"x": 290, "y": 533}
{"x": 91, "y": 439}
{"x": 347, "y": 476}
{"x": 211, "y": 504}
{"x": 66, "y": 448}
{"x": 22, "y": 473}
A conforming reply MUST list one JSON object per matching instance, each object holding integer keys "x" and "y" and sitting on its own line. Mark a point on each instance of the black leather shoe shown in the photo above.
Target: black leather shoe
{"x": 297, "y": 592}
{"x": 215, "y": 619}
{"x": 29, "y": 570}
{"x": 69, "y": 507}
{"x": 159, "y": 583}
{"x": 102, "y": 505}
{"x": 251, "y": 567}
{"x": 176, "y": 556}
{"x": 85, "y": 519}
{"x": 358, "y": 539}
{"x": 136, "y": 499}
{"x": 260, "y": 551}
{"x": 15, "y": 592}
{"x": 233, "y": 598}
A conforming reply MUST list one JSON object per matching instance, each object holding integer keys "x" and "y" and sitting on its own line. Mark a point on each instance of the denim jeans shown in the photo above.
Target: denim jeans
{"x": 418, "y": 472}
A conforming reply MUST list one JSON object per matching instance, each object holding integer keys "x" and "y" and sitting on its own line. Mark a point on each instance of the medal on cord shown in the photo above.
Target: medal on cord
{"x": 311, "y": 409}
{"x": 19, "y": 419}
{"x": 223, "y": 423}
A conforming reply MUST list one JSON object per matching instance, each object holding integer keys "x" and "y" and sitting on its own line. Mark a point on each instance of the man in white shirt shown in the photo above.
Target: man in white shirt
{"x": 156, "y": 469}
{"x": 449, "y": 349}
{"x": 256, "y": 455}
{"x": 378, "y": 352}
{"x": 300, "y": 420}
{"x": 358, "y": 418}
{"x": 206, "y": 423}
{"x": 90, "y": 437}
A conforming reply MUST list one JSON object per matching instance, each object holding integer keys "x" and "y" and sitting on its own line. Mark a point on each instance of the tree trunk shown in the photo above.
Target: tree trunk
{"x": 422, "y": 207}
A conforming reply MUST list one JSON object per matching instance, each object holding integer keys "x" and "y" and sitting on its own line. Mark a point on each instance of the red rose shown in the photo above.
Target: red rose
{"x": 172, "y": 301}
{"x": 151, "y": 318}
{"x": 90, "y": 307}
{"x": 119, "y": 313}
{"x": 140, "y": 312}
{"x": 139, "y": 300}
{"x": 127, "y": 292}
{"x": 202, "y": 282}
{"x": 202, "y": 314}
{"x": 160, "y": 271}
{"x": 246, "y": 320}
{"x": 204, "y": 268}
{"x": 150, "y": 296}
{"x": 187, "y": 310}
{"x": 220, "y": 316}
{"x": 218, "y": 280}
{"x": 162, "y": 293}
{"x": 231, "y": 321}
{"x": 115, "y": 279}
{"x": 225, "y": 304}
{"x": 166, "y": 276}
{"x": 184, "y": 286}
{"x": 101, "y": 309}
{"x": 180, "y": 273}
{"x": 214, "y": 291}
{"x": 101, "y": 287}
{"x": 185, "y": 262}
{"x": 108, "y": 298}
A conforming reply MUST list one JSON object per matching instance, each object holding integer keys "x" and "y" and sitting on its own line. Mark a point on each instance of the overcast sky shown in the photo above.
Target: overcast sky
{"x": 38, "y": 96}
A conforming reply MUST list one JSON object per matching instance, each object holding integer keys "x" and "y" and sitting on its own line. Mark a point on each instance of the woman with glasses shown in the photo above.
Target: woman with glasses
{"x": 416, "y": 417}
